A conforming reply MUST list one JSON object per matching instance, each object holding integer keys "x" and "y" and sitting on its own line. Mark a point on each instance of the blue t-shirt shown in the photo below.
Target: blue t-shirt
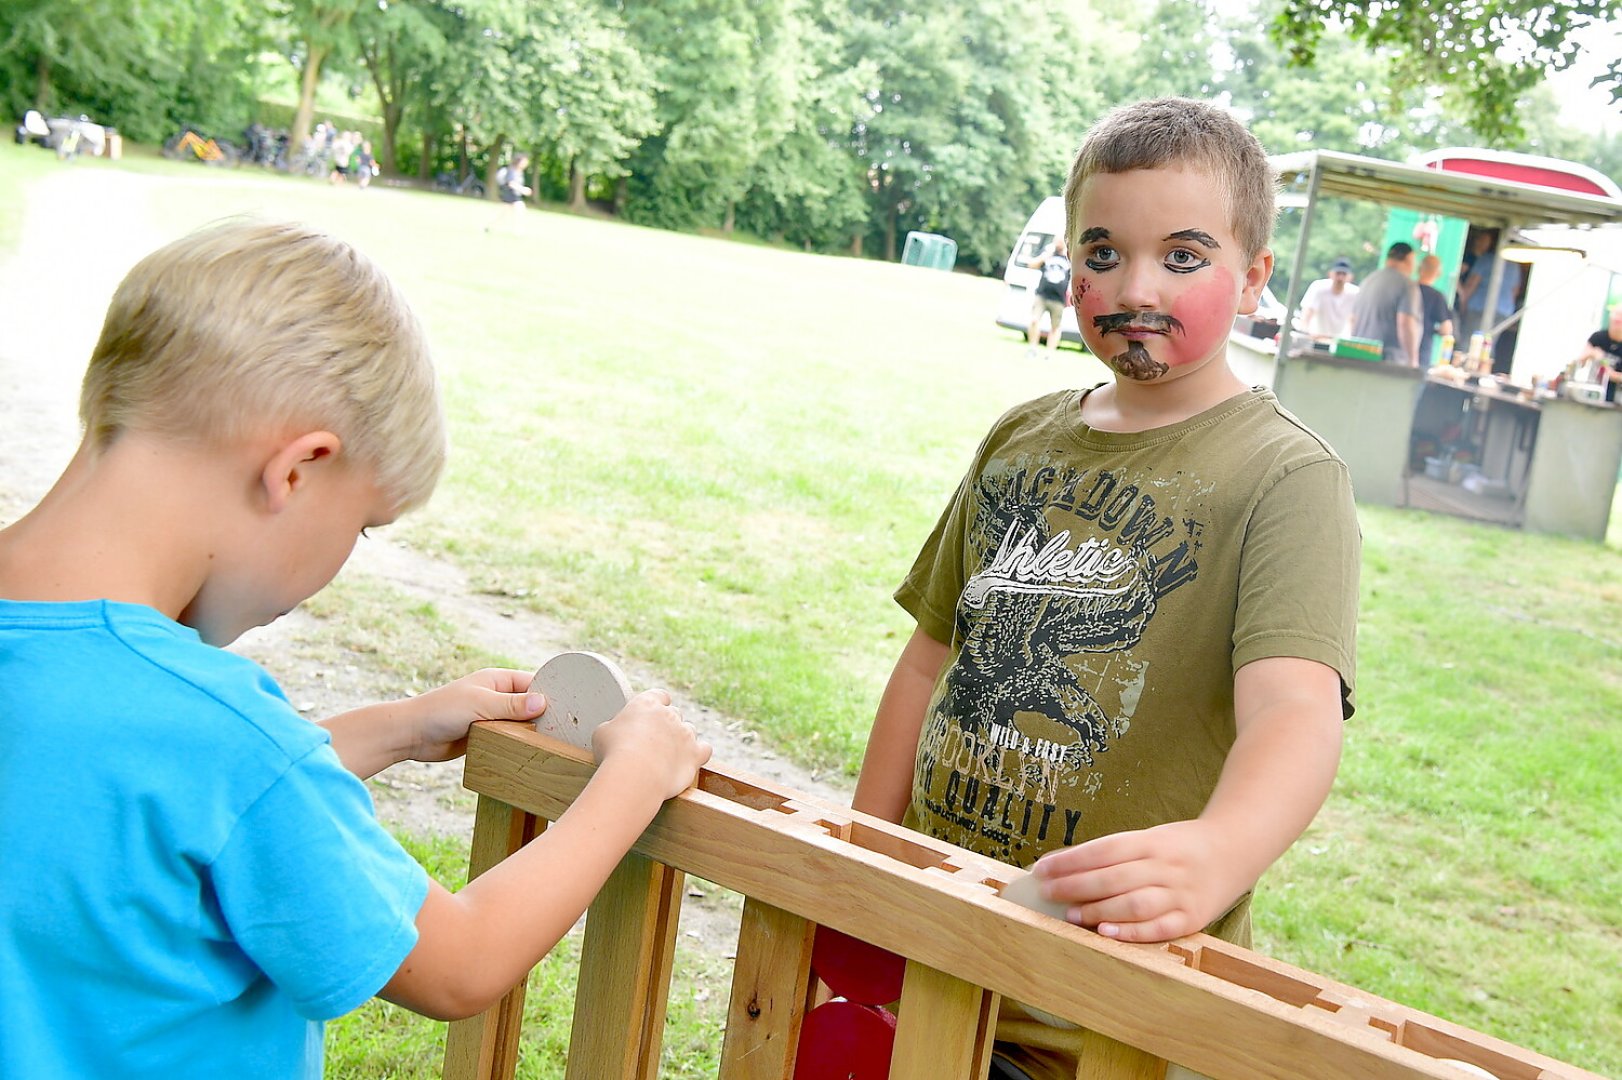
{"x": 1482, "y": 268}
{"x": 190, "y": 880}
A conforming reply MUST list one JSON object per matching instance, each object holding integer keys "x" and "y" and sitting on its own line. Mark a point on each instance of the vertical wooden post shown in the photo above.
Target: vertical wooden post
{"x": 771, "y": 980}
{"x": 485, "y": 1047}
{"x": 944, "y": 1027}
{"x": 1102, "y": 1058}
{"x": 619, "y": 1010}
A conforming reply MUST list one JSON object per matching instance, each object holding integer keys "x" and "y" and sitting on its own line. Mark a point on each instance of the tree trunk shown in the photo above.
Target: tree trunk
{"x": 425, "y": 161}
{"x": 492, "y": 164}
{"x": 731, "y": 218}
{"x": 577, "y": 186}
{"x": 856, "y": 244}
{"x": 391, "y": 129}
{"x": 42, "y": 83}
{"x": 622, "y": 195}
{"x": 308, "y": 80}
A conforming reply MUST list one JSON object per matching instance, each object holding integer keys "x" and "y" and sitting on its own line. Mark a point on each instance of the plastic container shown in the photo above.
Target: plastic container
{"x": 1351, "y": 348}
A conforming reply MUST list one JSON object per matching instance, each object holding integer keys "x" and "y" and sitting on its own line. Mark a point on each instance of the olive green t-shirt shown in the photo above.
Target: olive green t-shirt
{"x": 1098, "y": 591}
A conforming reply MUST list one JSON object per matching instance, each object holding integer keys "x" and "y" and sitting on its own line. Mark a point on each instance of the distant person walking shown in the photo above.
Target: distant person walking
{"x": 362, "y": 165}
{"x": 1387, "y": 309}
{"x": 511, "y": 189}
{"x": 1048, "y": 296}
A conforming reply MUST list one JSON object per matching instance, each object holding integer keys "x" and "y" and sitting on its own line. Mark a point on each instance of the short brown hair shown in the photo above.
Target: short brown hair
{"x": 245, "y": 327}
{"x": 1180, "y": 131}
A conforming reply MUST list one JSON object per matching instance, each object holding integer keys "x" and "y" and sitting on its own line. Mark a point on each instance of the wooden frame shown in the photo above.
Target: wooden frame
{"x": 1227, "y": 1012}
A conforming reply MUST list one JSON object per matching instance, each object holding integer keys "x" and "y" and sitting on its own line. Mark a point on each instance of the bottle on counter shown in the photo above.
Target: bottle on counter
{"x": 1444, "y": 354}
{"x": 1473, "y": 356}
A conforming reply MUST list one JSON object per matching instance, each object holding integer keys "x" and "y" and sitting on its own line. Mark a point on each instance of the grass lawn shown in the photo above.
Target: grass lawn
{"x": 720, "y": 459}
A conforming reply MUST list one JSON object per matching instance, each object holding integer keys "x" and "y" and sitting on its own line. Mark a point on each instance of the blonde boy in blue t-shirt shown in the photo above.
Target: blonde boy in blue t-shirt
{"x": 193, "y": 877}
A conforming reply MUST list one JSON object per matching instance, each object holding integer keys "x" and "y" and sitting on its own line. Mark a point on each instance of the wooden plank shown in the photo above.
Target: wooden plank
{"x": 619, "y": 1005}
{"x": 1103, "y": 1058}
{"x": 944, "y": 1027}
{"x": 485, "y": 1047}
{"x": 770, "y": 985}
{"x": 1141, "y": 995}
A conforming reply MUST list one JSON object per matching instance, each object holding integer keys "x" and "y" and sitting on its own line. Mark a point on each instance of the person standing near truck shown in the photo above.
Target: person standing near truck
{"x": 1048, "y": 296}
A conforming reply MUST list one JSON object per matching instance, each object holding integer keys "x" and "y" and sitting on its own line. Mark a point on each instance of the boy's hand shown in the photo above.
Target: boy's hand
{"x": 650, "y": 735}
{"x": 442, "y": 716}
{"x": 1150, "y": 885}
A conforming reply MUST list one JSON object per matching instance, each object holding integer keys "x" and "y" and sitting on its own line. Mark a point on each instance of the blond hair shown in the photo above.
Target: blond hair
{"x": 1170, "y": 131}
{"x": 246, "y": 327}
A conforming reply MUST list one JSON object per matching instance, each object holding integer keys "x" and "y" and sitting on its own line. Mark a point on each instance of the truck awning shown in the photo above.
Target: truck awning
{"x": 1477, "y": 199}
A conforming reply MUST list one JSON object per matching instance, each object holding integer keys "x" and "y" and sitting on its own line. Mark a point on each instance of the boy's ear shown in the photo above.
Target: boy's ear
{"x": 291, "y": 465}
{"x": 1261, "y": 268}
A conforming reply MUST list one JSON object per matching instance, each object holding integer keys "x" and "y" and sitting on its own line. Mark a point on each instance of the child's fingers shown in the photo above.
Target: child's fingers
{"x": 502, "y": 680}
{"x": 1106, "y": 881}
{"x": 1093, "y": 855}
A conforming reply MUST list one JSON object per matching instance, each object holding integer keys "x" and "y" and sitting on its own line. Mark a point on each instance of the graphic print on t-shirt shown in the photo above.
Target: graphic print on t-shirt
{"x": 1074, "y": 563}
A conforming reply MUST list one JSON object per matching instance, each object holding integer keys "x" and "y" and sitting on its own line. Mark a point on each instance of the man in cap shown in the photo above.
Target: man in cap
{"x": 1326, "y": 309}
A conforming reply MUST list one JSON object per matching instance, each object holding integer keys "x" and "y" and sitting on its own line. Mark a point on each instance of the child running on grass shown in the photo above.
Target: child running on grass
{"x": 193, "y": 879}
{"x": 1136, "y": 617}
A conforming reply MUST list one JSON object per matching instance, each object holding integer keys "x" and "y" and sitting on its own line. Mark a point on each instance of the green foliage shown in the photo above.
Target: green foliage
{"x": 832, "y": 125}
{"x": 1490, "y": 55}
{"x": 144, "y": 68}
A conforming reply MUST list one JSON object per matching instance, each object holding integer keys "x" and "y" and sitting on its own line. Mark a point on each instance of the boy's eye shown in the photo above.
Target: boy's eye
{"x": 1184, "y": 261}
{"x": 1101, "y": 258}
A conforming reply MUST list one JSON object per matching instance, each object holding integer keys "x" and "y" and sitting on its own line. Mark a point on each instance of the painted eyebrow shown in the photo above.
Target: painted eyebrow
{"x": 1196, "y": 235}
{"x": 1095, "y": 233}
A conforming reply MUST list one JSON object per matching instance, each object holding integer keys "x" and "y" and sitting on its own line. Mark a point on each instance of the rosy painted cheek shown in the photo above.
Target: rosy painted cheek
{"x": 1206, "y": 312}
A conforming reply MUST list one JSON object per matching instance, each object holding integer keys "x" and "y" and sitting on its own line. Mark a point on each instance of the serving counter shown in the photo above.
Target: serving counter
{"x": 1451, "y": 443}
{"x": 1540, "y": 462}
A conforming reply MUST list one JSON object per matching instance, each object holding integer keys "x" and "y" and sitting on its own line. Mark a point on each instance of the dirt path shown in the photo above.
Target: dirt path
{"x": 53, "y": 292}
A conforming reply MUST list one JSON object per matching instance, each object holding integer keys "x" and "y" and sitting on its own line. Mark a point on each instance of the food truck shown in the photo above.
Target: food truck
{"x": 1529, "y": 446}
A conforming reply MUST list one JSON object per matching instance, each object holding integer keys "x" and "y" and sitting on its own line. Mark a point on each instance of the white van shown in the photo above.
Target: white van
{"x": 1014, "y": 310}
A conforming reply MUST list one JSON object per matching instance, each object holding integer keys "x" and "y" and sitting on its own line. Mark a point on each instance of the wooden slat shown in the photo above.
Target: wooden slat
{"x": 485, "y": 1047}
{"x": 945, "y": 1027}
{"x": 770, "y": 986}
{"x": 1103, "y": 1058}
{"x": 1139, "y": 995}
{"x": 619, "y": 1005}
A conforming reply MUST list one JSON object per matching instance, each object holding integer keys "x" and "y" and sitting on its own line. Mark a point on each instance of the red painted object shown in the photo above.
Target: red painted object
{"x": 844, "y": 1040}
{"x": 855, "y": 970}
{"x": 1530, "y": 169}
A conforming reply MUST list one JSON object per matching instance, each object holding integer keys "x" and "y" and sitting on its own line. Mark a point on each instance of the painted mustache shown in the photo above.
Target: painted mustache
{"x": 1142, "y": 321}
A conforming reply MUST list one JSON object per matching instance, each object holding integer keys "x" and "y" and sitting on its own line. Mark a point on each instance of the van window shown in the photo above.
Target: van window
{"x": 1030, "y": 246}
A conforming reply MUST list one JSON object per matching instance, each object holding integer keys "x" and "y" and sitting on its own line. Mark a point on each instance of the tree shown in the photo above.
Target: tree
{"x": 141, "y": 67}
{"x": 725, "y": 98}
{"x": 320, "y": 28}
{"x": 398, "y": 43}
{"x": 1490, "y": 54}
{"x": 807, "y": 187}
{"x": 594, "y": 93}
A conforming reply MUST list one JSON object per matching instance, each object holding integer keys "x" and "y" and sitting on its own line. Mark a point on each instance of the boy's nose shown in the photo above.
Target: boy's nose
{"x": 1140, "y": 287}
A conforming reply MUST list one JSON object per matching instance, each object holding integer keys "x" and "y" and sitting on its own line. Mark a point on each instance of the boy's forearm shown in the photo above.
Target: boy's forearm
{"x": 369, "y": 739}
{"x": 476, "y": 944}
{"x": 884, "y": 787}
{"x": 1282, "y": 763}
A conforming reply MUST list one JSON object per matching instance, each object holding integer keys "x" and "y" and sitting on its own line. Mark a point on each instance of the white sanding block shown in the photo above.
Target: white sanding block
{"x": 1024, "y": 892}
{"x": 583, "y": 691}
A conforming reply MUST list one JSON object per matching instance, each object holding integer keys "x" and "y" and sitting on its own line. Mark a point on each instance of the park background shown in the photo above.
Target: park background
{"x": 694, "y": 430}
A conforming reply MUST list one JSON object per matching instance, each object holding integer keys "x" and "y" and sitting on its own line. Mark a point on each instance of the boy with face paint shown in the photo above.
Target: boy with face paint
{"x": 1136, "y": 616}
